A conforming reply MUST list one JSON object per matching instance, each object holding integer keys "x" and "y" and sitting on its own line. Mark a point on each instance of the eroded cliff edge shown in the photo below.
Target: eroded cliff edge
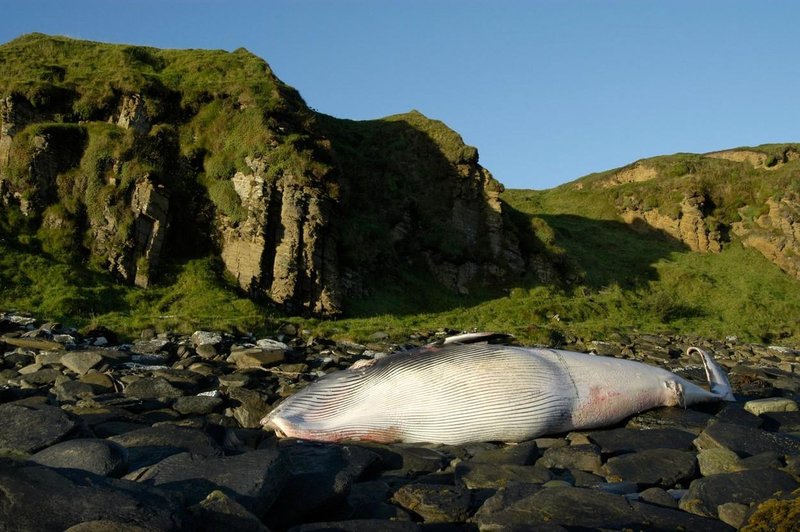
{"x": 131, "y": 157}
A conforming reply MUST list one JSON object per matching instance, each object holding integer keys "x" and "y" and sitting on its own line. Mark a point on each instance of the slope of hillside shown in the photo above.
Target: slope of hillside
{"x": 136, "y": 160}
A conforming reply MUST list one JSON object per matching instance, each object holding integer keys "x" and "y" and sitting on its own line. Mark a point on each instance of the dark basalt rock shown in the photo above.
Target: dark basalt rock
{"x": 149, "y": 446}
{"x": 101, "y": 457}
{"x": 652, "y": 467}
{"x": 37, "y": 498}
{"x": 619, "y": 441}
{"x": 27, "y": 429}
{"x": 253, "y": 479}
{"x": 745, "y": 440}
{"x": 706, "y": 494}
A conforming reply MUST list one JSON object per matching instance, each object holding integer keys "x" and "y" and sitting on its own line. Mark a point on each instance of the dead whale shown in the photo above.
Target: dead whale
{"x": 483, "y": 392}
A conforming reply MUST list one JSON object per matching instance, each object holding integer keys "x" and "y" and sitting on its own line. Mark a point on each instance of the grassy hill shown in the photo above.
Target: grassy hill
{"x": 685, "y": 243}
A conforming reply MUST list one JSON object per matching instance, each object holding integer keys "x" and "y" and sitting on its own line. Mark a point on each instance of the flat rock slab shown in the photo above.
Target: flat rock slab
{"x": 567, "y": 506}
{"x": 619, "y": 441}
{"x": 478, "y": 475}
{"x": 581, "y": 457}
{"x": 684, "y": 419}
{"x": 197, "y": 404}
{"x": 150, "y": 445}
{"x": 27, "y": 429}
{"x": 435, "y": 503}
{"x": 706, "y": 494}
{"x": 37, "y": 498}
{"x": 152, "y": 388}
{"x": 220, "y": 512}
{"x": 358, "y": 525}
{"x": 253, "y": 479}
{"x": 81, "y": 362}
{"x": 771, "y": 404}
{"x": 101, "y": 457}
{"x": 652, "y": 467}
{"x": 745, "y": 440}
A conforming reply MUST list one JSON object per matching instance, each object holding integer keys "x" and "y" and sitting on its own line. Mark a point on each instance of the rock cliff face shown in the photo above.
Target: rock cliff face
{"x": 690, "y": 226}
{"x": 135, "y": 157}
{"x": 749, "y": 193}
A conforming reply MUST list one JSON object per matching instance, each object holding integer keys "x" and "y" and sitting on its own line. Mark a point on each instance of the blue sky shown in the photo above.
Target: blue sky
{"x": 547, "y": 90}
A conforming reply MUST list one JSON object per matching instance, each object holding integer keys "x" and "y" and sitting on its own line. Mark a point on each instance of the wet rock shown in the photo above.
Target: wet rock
{"x": 581, "y": 457}
{"x": 218, "y": 511}
{"x": 477, "y": 475}
{"x": 27, "y": 429}
{"x": 744, "y": 440}
{"x": 706, "y": 494}
{"x": 435, "y": 503}
{"x": 618, "y": 441}
{"x": 152, "y": 388}
{"x": 101, "y": 457}
{"x": 652, "y": 467}
{"x": 253, "y": 479}
{"x": 150, "y": 445}
{"x": 37, "y": 498}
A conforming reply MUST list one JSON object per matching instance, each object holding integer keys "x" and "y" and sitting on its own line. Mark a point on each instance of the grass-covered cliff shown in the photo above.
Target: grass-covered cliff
{"x": 144, "y": 163}
{"x": 182, "y": 189}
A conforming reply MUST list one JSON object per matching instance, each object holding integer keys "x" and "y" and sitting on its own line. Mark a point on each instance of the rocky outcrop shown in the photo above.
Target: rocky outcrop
{"x": 776, "y": 234}
{"x": 690, "y": 227}
{"x": 305, "y": 211}
{"x": 285, "y": 249}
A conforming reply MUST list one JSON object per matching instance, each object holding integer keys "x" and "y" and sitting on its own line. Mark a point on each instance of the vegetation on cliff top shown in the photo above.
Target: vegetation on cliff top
{"x": 617, "y": 278}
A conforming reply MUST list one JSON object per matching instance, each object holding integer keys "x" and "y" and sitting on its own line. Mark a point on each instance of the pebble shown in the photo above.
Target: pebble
{"x": 164, "y": 434}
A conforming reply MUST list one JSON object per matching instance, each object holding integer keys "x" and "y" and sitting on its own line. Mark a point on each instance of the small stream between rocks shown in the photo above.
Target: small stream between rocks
{"x": 163, "y": 434}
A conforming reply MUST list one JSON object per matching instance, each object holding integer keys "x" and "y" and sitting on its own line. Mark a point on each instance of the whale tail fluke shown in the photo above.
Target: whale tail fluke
{"x": 718, "y": 382}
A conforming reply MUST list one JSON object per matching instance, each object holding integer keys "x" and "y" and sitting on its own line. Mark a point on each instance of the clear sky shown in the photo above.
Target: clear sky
{"x": 547, "y": 90}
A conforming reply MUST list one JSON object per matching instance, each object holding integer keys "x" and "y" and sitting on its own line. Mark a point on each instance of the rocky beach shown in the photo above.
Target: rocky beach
{"x": 163, "y": 434}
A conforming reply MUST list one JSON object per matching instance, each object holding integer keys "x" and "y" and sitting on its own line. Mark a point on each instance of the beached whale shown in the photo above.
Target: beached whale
{"x": 483, "y": 392}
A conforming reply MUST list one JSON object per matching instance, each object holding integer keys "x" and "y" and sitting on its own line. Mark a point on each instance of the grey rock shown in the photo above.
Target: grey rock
{"x": 618, "y": 441}
{"x": 581, "y": 457}
{"x": 27, "y": 429}
{"x": 72, "y": 391}
{"x": 256, "y": 357}
{"x": 652, "y": 467}
{"x": 253, "y": 479}
{"x": 218, "y": 511}
{"x": 358, "y": 525}
{"x": 659, "y": 497}
{"x": 41, "y": 377}
{"x": 408, "y": 460}
{"x": 249, "y": 408}
{"x": 105, "y": 525}
{"x": 150, "y": 445}
{"x": 683, "y": 419}
{"x": 770, "y": 404}
{"x": 197, "y": 404}
{"x": 654, "y": 517}
{"x": 37, "y": 498}
{"x": 717, "y": 460}
{"x": 435, "y": 503}
{"x": 477, "y": 475}
{"x": 736, "y": 414}
{"x": 81, "y": 362}
{"x": 206, "y": 351}
{"x": 566, "y": 506}
{"x": 206, "y": 338}
{"x": 745, "y": 440}
{"x": 101, "y": 457}
{"x": 152, "y": 388}
{"x": 706, "y": 494}
{"x": 320, "y": 477}
{"x": 524, "y": 453}
{"x": 782, "y": 421}
{"x": 235, "y": 380}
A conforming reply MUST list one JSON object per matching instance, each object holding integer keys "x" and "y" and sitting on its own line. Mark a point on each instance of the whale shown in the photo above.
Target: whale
{"x": 458, "y": 393}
